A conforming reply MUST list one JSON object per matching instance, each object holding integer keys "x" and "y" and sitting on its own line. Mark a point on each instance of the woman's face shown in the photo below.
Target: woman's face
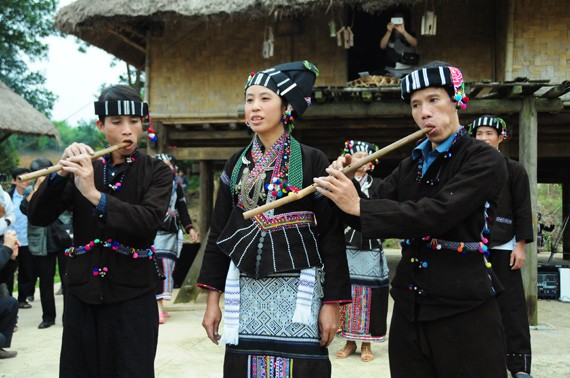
{"x": 358, "y": 156}
{"x": 263, "y": 110}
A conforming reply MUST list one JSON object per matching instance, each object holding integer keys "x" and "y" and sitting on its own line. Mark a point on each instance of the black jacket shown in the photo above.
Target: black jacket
{"x": 514, "y": 213}
{"x": 134, "y": 215}
{"x": 453, "y": 210}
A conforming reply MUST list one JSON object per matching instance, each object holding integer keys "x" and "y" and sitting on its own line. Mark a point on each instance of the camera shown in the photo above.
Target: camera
{"x": 397, "y": 20}
{"x": 3, "y": 178}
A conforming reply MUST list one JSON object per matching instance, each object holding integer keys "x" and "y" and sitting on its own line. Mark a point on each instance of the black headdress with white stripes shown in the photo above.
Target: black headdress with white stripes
{"x": 490, "y": 121}
{"x": 447, "y": 77}
{"x": 121, "y": 108}
{"x": 294, "y": 81}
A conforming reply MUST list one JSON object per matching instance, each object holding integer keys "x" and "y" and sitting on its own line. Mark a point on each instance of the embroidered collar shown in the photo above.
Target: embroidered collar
{"x": 113, "y": 176}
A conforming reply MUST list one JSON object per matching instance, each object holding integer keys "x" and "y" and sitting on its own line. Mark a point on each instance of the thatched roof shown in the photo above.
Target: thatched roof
{"x": 119, "y": 26}
{"x": 18, "y": 116}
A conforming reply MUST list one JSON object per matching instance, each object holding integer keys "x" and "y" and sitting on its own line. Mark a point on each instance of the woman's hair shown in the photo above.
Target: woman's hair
{"x": 118, "y": 92}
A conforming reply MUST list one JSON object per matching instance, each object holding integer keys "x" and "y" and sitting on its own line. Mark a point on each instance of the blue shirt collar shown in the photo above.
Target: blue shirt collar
{"x": 424, "y": 148}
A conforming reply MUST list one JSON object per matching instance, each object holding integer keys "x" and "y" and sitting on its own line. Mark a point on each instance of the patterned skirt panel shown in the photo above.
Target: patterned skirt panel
{"x": 365, "y": 318}
{"x": 167, "y": 267}
{"x": 270, "y": 344}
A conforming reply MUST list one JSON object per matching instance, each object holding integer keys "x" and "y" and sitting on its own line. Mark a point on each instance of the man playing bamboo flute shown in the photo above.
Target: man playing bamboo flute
{"x": 118, "y": 202}
{"x": 446, "y": 321}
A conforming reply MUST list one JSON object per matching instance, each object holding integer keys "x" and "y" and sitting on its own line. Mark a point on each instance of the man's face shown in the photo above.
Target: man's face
{"x": 489, "y": 135}
{"x": 434, "y": 113}
{"x": 20, "y": 185}
{"x": 119, "y": 129}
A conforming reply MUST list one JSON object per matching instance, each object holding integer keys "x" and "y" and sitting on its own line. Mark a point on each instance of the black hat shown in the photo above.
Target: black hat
{"x": 121, "y": 108}
{"x": 490, "y": 121}
{"x": 354, "y": 146}
{"x": 448, "y": 77}
{"x": 294, "y": 81}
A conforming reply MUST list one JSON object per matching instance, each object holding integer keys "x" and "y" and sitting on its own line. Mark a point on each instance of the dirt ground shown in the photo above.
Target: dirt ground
{"x": 184, "y": 350}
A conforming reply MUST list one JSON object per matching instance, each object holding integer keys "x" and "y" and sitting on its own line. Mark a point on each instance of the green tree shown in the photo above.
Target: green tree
{"x": 23, "y": 25}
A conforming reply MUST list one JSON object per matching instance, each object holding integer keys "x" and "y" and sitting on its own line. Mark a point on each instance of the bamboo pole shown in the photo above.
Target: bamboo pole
{"x": 353, "y": 167}
{"x": 58, "y": 167}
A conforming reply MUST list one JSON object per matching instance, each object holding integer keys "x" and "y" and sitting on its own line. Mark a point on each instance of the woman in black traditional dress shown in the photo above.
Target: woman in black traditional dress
{"x": 365, "y": 318}
{"x": 284, "y": 272}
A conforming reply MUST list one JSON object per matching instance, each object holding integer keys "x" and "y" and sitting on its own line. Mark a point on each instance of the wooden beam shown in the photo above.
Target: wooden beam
{"x": 203, "y": 153}
{"x": 127, "y": 40}
{"x": 385, "y": 109}
{"x": 528, "y": 137}
{"x": 198, "y": 135}
{"x": 558, "y": 90}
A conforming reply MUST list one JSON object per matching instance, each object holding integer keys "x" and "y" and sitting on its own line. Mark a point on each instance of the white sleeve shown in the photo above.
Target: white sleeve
{"x": 9, "y": 209}
{"x": 3, "y": 226}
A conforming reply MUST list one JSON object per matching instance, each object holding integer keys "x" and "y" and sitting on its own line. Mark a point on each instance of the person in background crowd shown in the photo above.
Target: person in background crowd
{"x": 183, "y": 180}
{"x": 446, "y": 320}
{"x": 365, "y": 318}
{"x": 169, "y": 239}
{"x": 511, "y": 232}
{"x": 44, "y": 245}
{"x": 26, "y": 281}
{"x": 9, "y": 216}
{"x": 541, "y": 229}
{"x": 8, "y": 304}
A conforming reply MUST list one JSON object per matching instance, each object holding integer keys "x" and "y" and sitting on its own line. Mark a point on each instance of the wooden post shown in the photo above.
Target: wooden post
{"x": 206, "y": 197}
{"x": 565, "y": 213}
{"x": 528, "y": 136}
{"x": 188, "y": 291}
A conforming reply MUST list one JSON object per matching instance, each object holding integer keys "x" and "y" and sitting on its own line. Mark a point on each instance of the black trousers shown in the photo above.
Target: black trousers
{"x": 44, "y": 269}
{"x": 109, "y": 340}
{"x": 512, "y": 303}
{"x": 26, "y": 279}
{"x": 470, "y": 344}
{"x": 8, "y": 317}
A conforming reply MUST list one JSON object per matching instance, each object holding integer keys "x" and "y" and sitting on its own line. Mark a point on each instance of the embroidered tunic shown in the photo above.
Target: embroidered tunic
{"x": 133, "y": 216}
{"x": 270, "y": 252}
{"x": 447, "y": 204}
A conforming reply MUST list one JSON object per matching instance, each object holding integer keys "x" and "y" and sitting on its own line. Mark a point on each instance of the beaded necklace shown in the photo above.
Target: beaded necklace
{"x": 253, "y": 180}
{"x": 278, "y": 155}
{"x": 446, "y": 155}
{"x": 111, "y": 182}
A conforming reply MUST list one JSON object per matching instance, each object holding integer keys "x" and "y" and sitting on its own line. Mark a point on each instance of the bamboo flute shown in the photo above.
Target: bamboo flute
{"x": 353, "y": 167}
{"x": 58, "y": 167}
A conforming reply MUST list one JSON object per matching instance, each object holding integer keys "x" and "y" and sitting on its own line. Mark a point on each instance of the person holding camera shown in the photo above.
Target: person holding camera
{"x": 400, "y": 46}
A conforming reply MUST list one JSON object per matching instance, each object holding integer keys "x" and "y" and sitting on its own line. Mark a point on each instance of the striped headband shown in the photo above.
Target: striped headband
{"x": 293, "y": 81}
{"x": 441, "y": 76}
{"x": 121, "y": 108}
{"x": 490, "y": 121}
